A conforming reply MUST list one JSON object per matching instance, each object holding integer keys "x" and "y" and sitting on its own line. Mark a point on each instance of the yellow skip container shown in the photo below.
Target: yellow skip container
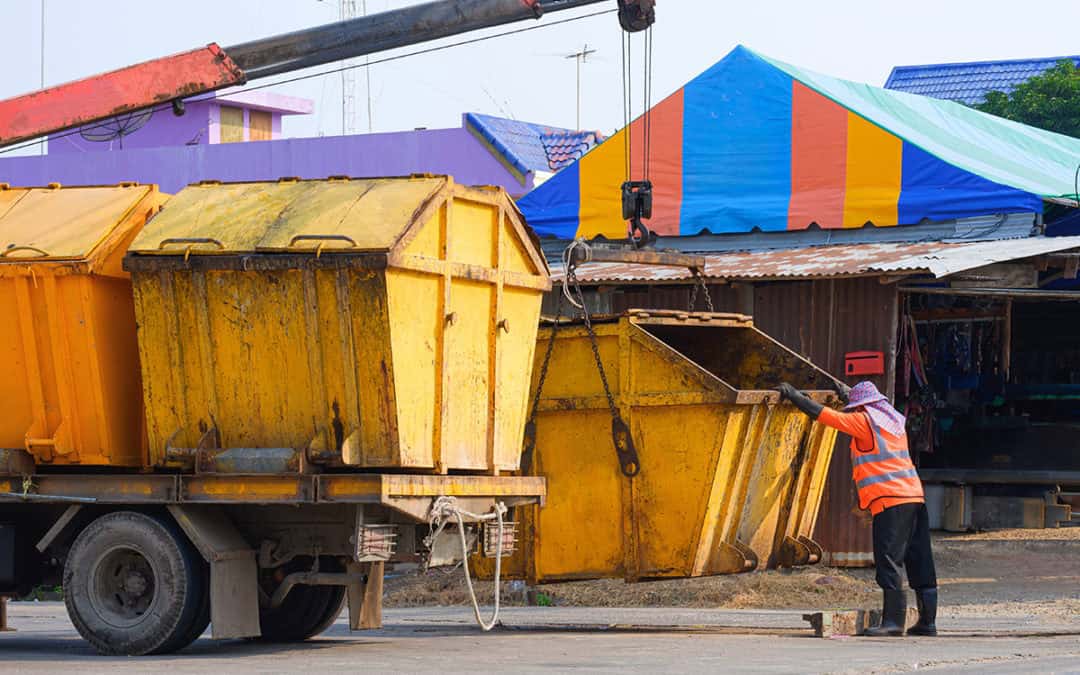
{"x": 71, "y": 388}
{"x": 730, "y": 478}
{"x": 369, "y": 323}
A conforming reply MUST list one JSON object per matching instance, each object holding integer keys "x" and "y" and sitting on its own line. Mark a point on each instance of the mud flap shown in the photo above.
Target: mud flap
{"x": 234, "y": 590}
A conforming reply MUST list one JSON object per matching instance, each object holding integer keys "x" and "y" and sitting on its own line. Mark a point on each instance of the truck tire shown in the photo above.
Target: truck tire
{"x": 306, "y": 612}
{"x": 133, "y": 585}
{"x": 202, "y": 618}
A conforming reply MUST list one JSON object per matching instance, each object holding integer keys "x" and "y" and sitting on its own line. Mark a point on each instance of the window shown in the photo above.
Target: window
{"x": 259, "y": 126}
{"x": 232, "y": 124}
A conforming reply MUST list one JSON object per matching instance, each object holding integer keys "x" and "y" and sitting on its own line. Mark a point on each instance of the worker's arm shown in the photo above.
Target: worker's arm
{"x": 800, "y": 400}
{"x": 854, "y": 424}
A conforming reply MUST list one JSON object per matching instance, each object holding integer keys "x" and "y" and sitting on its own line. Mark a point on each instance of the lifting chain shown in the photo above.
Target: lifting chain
{"x": 620, "y": 431}
{"x": 699, "y": 283}
{"x": 529, "y": 447}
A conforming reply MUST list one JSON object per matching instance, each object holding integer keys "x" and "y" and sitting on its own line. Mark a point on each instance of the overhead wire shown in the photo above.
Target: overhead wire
{"x": 628, "y": 107}
{"x": 333, "y": 71}
{"x": 647, "y": 122}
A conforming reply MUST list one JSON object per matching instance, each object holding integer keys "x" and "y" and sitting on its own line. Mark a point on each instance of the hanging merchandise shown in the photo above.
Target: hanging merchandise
{"x": 921, "y": 402}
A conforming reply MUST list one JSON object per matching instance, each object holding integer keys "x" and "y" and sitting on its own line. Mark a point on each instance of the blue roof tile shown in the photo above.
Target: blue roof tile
{"x": 969, "y": 82}
{"x": 531, "y": 147}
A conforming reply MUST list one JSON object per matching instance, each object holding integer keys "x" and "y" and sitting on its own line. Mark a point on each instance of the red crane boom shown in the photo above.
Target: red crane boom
{"x": 174, "y": 78}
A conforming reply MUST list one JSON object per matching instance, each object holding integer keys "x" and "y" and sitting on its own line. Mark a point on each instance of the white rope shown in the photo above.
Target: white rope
{"x": 442, "y": 511}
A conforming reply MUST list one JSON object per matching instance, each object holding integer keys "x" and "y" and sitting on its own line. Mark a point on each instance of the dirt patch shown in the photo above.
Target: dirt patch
{"x": 812, "y": 587}
{"x": 1001, "y": 572}
{"x": 1048, "y": 534}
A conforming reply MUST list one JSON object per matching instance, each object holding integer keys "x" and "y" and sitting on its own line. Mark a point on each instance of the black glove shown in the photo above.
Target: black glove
{"x": 842, "y": 390}
{"x": 800, "y": 400}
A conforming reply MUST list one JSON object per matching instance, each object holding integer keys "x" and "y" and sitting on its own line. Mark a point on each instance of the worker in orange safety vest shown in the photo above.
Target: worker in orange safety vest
{"x": 889, "y": 487}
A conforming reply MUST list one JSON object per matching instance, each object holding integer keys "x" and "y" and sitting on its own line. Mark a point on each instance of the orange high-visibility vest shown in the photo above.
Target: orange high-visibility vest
{"x": 885, "y": 471}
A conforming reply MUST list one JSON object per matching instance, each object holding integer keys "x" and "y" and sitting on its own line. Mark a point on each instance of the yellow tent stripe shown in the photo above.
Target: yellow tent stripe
{"x": 874, "y": 173}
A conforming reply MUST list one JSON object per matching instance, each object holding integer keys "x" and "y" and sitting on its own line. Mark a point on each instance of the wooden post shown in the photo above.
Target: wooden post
{"x": 371, "y": 610}
{"x": 4, "y": 628}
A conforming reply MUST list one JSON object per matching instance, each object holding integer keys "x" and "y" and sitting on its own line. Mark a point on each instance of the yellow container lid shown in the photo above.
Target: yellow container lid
{"x": 57, "y": 223}
{"x": 337, "y": 214}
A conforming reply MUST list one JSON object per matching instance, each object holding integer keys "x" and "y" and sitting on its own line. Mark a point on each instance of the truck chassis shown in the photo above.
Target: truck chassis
{"x": 147, "y": 561}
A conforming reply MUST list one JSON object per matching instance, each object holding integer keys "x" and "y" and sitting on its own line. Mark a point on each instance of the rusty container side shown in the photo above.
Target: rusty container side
{"x": 730, "y": 478}
{"x": 71, "y": 388}
{"x": 363, "y": 323}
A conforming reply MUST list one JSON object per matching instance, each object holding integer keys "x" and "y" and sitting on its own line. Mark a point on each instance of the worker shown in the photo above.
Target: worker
{"x": 889, "y": 487}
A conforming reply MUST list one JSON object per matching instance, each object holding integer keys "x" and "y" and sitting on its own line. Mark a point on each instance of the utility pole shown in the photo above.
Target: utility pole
{"x": 41, "y": 146}
{"x": 346, "y": 11}
{"x": 581, "y": 57}
{"x": 367, "y": 79}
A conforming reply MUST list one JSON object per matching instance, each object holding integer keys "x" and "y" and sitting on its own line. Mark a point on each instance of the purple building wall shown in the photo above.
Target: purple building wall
{"x": 200, "y": 124}
{"x": 163, "y": 128}
{"x": 454, "y": 152}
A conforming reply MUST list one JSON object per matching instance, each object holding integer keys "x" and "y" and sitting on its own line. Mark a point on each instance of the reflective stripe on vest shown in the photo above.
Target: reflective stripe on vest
{"x": 892, "y": 475}
{"x": 885, "y": 471}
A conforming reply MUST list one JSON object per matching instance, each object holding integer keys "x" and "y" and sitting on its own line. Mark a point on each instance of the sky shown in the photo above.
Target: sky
{"x": 527, "y": 76}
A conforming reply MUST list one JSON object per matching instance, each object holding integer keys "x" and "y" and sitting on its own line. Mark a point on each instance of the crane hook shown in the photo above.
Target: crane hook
{"x": 637, "y": 15}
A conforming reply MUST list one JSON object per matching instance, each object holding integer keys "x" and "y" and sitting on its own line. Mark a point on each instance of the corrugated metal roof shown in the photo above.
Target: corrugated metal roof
{"x": 939, "y": 259}
{"x": 969, "y": 82}
{"x": 963, "y": 230}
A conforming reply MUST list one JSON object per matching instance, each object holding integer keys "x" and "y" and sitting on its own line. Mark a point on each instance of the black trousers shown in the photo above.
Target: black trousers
{"x": 902, "y": 540}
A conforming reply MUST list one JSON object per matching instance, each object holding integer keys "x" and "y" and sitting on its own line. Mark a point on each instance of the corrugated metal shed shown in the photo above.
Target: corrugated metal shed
{"x": 969, "y": 82}
{"x": 939, "y": 259}
{"x": 991, "y": 227}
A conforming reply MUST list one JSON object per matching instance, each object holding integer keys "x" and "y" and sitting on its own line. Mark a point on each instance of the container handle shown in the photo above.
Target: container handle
{"x": 8, "y": 251}
{"x": 191, "y": 241}
{"x": 322, "y": 237}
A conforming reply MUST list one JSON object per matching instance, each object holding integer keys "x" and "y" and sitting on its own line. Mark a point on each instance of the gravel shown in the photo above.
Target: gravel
{"x": 998, "y": 573}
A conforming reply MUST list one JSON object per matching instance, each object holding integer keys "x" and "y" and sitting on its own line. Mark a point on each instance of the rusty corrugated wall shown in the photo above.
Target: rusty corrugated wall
{"x": 736, "y": 298}
{"x": 822, "y": 320}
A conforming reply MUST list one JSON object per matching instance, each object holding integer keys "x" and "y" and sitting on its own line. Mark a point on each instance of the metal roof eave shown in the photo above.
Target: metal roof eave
{"x": 938, "y": 260}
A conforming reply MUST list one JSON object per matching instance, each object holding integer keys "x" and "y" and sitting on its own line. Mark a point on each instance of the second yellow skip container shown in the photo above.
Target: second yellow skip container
{"x": 730, "y": 478}
{"x": 367, "y": 323}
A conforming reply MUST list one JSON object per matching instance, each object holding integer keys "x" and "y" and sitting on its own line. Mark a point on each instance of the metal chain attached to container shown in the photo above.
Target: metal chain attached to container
{"x": 620, "y": 432}
{"x": 529, "y": 447}
{"x": 699, "y": 283}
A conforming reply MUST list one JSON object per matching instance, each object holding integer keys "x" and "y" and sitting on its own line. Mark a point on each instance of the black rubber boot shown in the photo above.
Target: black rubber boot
{"x": 893, "y": 616}
{"x": 927, "y": 600}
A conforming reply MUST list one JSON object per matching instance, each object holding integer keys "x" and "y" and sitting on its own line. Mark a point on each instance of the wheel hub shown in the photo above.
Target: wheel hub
{"x": 123, "y": 587}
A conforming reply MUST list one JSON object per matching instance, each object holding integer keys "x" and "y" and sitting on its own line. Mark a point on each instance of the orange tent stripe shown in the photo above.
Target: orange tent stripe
{"x": 819, "y": 129}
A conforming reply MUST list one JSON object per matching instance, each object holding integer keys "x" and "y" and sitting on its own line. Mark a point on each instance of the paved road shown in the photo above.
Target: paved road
{"x": 558, "y": 639}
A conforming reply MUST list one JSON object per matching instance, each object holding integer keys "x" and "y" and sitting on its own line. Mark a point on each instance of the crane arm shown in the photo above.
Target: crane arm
{"x": 173, "y": 78}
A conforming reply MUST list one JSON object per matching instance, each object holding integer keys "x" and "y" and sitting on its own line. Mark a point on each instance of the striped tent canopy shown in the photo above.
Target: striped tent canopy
{"x": 754, "y": 143}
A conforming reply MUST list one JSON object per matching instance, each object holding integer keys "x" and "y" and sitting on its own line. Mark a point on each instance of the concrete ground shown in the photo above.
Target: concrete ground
{"x": 555, "y": 639}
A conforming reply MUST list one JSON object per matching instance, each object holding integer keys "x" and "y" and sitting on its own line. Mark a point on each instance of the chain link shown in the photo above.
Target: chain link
{"x": 571, "y": 277}
{"x": 529, "y": 447}
{"x": 620, "y": 432}
{"x": 699, "y": 283}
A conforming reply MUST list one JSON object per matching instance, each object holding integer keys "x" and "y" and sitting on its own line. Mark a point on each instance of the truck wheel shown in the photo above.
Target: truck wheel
{"x": 133, "y": 585}
{"x": 202, "y": 617}
{"x": 306, "y": 612}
